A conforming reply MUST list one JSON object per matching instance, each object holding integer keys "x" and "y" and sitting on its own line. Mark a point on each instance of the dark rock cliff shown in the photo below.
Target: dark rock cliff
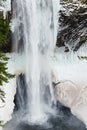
{"x": 72, "y": 29}
{"x": 73, "y": 24}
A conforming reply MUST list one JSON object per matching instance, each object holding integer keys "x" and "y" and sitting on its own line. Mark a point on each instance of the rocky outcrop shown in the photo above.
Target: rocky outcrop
{"x": 73, "y": 24}
{"x": 66, "y": 93}
{"x": 74, "y": 97}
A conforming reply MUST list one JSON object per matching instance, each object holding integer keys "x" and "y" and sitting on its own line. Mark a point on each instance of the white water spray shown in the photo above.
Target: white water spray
{"x": 35, "y": 32}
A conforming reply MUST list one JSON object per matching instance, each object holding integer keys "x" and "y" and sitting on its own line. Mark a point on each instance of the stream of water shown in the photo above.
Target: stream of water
{"x": 35, "y": 33}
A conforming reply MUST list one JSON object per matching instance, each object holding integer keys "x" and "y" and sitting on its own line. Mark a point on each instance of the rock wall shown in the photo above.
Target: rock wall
{"x": 73, "y": 24}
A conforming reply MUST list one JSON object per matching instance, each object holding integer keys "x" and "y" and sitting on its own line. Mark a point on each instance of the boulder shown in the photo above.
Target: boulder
{"x": 66, "y": 93}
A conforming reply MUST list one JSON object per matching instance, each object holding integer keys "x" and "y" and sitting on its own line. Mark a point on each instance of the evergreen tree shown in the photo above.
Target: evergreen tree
{"x": 4, "y": 30}
{"x": 4, "y": 75}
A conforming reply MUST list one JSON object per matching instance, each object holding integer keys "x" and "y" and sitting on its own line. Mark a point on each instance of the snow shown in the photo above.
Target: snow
{"x": 7, "y": 107}
{"x": 15, "y": 66}
{"x": 6, "y": 6}
{"x": 72, "y": 72}
{"x": 68, "y": 69}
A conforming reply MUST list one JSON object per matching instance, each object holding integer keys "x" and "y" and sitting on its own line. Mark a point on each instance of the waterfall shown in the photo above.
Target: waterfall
{"x": 34, "y": 27}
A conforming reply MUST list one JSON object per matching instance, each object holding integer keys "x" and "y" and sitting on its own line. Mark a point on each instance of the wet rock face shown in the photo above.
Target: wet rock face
{"x": 73, "y": 25}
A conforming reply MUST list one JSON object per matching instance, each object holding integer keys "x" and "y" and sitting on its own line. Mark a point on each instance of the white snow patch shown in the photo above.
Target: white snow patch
{"x": 5, "y": 7}
{"x": 72, "y": 72}
{"x": 15, "y": 66}
{"x": 7, "y": 107}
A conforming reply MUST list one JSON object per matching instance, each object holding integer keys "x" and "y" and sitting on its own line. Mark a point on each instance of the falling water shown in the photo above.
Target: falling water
{"x": 35, "y": 29}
